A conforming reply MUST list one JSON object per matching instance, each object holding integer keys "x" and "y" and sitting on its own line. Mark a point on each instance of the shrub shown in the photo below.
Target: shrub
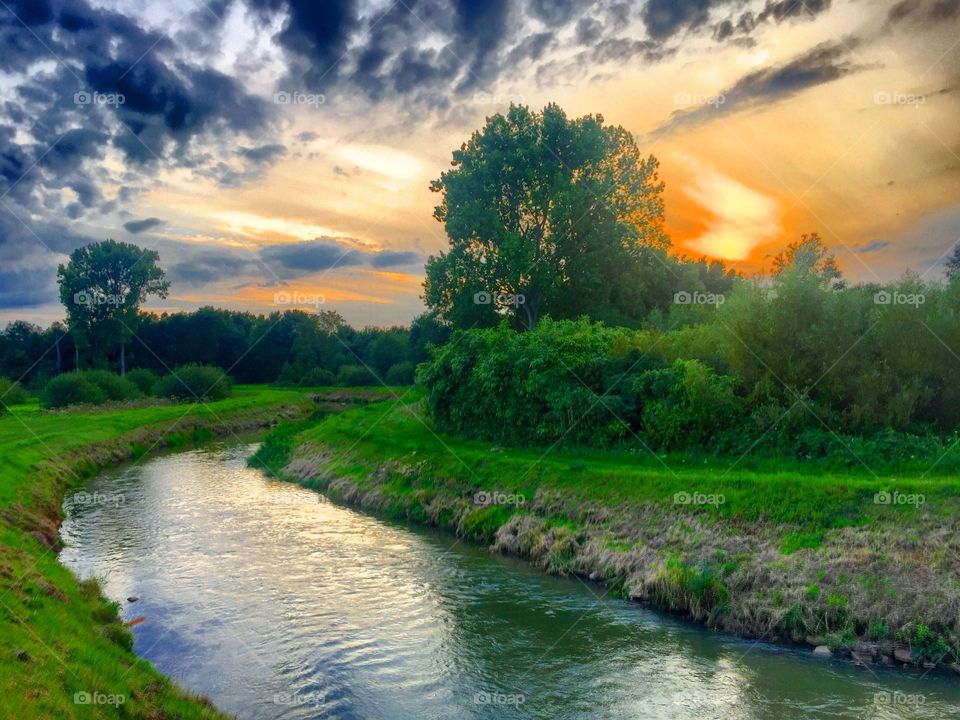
{"x": 71, "y": 389}
{"x": 401, "y": 374}
{"x": 113, "y": 386}
{"x": 356, "y": 375}
{"x": 145, "y": 380}
{"x": 317, "y": 377}
{"x": 195, "y": 382}
{"x": 11, "y": 393}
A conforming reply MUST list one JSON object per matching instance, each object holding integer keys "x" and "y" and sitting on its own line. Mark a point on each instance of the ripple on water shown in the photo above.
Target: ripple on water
{"x": 279, "y": 604}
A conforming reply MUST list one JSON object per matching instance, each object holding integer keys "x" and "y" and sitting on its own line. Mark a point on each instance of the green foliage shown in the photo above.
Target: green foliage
{"x": 145, "y": 380}
{"x": 11, "y": 393}
{"x": 564, "y": 212}
{"x": 401, "y": 374}
{"x": 573, "y": 382}
{"x": 686, "y": 404}
{"x": 195, "y": 382}
{"x": 102, "y": 287}
{"x": 927, "y": 645}
{"x": 277, "y": 447}
{"x": 71, "y": 389}
{"x": 115, "y": 388}
{"x": 357, "y": 376}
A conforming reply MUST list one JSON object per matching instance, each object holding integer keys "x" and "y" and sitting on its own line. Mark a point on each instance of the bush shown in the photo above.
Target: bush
{"x": 317, "y": 377}
{"x": 11, "y": 393}
{"x": 145, "y": 380}
{"x": 401, "y": 374}
{"x": 563, "y": 382}
{"x": 71, "y": 389}
{"x": 195, "y": 382}
{"x": 113, "y": 386}
{"x": 355, "y": 376}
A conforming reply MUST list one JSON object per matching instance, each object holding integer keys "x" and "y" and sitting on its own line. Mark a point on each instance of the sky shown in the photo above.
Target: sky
{"x": 278, "y": 153}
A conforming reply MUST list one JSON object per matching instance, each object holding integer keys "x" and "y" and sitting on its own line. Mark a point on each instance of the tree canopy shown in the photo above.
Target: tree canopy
{"x": 102, "y": 288}
{"x": 548, "y": 215}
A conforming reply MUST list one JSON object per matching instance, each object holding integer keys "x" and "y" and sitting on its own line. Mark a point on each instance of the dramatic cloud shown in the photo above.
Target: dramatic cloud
{"x": 135, "y": 227}
{"x": 297, "y": 259}
{"x": 823, "y": 64}
{"x": 395, "y": 258}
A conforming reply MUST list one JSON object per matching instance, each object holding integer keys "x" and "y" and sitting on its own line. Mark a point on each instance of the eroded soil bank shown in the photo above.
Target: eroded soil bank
{"x": 881, "y": 589}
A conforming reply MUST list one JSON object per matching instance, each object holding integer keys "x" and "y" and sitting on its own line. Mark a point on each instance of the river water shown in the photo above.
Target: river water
{"x": 276, "y": 603}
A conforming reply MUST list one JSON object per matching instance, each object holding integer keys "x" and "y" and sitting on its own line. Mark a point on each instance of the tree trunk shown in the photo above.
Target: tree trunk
{"x": 76, "y": 357}
{"x": 531, "y": 315}
{"x": 59, "y": 338}
{"x": 123, "y": 359}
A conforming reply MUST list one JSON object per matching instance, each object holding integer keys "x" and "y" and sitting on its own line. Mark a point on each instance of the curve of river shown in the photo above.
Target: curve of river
{"x": 276, "y": 603}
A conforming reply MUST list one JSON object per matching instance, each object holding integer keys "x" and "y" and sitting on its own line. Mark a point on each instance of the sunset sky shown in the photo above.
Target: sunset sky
{"x": 286, "y": 146}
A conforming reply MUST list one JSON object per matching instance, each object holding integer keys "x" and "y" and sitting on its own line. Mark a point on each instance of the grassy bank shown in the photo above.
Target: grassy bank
{"x": 62, "y": 642}
{"x": 862, "y": 561}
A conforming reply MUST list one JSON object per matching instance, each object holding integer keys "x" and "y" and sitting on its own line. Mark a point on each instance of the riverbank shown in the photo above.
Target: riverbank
{"x": 64, "y": 652}
{"x": 852, "y": 563}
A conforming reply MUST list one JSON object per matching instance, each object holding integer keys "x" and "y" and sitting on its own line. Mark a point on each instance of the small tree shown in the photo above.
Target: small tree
{"x": 102, "y": 288}
{"x": 809, "y": 255}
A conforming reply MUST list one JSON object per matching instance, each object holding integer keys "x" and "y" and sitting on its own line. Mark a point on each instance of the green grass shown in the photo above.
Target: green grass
{"x": 59, "y": 636}
{"x": 792, "y": 523}
{"x": 786, "y": 492}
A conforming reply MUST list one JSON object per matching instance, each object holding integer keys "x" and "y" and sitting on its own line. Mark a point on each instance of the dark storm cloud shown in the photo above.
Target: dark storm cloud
{"x": 264, "y": 153}
{"x": 775, "y": 11}
{"x": 113, "y": 84}
{"x": 823, "y": 64}
{"x": 664, "y": 18}
{"x": 210, "y": 266}
{"x": 395, "y": 258}
{"x": 303, "y": 258}
{"x": 135, "y": 227}
{"x": 382, "y": 55}
{"x": 277, "y": 262}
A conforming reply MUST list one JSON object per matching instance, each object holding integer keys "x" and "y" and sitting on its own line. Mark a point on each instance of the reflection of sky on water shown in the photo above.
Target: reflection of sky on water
{"x": 277, "y": 603}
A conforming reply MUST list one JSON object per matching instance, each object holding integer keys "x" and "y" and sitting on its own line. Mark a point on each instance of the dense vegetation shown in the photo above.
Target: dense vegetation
{"x": 289, "y": 348}
{"x": 798, "y": 366}
{"x": 552, "y": 216}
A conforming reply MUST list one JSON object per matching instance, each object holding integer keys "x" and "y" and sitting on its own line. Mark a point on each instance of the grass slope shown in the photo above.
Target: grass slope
{"x": 775, "y": 549}
{"x": 59, "y": 636}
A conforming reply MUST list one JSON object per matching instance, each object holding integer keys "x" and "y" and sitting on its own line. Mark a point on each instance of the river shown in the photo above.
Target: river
{"x": 276, "y": 603}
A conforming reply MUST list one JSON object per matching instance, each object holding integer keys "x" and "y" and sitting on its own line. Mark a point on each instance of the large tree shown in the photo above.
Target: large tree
{"x": 547, "y": 216}
{"x": 102, "y": 288}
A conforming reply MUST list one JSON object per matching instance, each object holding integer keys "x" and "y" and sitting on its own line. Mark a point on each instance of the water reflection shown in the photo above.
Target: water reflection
{"x": 278, "y": 604}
